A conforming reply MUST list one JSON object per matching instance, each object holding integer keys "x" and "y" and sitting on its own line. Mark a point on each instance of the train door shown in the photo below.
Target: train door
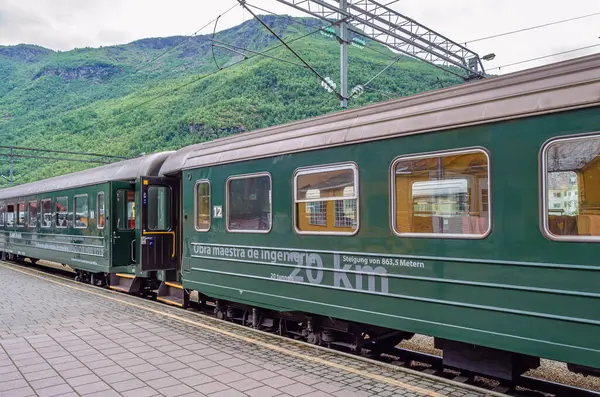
{"x": 123, "y": 224}
{"x": 158, "y": 224}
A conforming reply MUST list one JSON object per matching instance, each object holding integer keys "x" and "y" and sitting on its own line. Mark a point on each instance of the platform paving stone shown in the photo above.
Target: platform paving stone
{"x": 60, "y": 338}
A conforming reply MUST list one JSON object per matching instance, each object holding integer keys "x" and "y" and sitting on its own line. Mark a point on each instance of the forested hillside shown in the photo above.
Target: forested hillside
{"x": 125, "y": 101}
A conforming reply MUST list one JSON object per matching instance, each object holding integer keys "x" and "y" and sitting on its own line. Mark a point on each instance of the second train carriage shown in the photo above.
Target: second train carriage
{"x": 89, "y": 220}
{"x": 470, "y": 214}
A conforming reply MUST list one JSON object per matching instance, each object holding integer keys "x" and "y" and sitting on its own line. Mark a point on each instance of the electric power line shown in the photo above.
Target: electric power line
{"x": 231, "y": 47}
{"x": 545, "y": 56}
{"x": 532, "y": 27}
{"x": 188, "y": 38}
{"x": 242, "y": 3}
{"x": 25, "y": 156}
{"x": 63, "y": 152}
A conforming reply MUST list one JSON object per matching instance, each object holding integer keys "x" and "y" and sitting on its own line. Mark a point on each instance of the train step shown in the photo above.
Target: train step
{"x": 123, "y": 282}
{"x": 172, "y": 293}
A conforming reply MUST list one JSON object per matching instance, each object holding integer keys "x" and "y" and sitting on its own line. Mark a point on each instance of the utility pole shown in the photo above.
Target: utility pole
{"x": 343, "y": 54}
{"x": 12, "y": 157}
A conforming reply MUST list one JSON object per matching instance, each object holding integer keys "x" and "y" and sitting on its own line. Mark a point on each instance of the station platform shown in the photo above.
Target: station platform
{"x": 63, "y": 338}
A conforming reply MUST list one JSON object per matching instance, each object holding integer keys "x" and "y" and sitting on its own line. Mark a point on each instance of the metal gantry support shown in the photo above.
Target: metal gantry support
{"x": 380, "y": 23}
{"x": 344, "y": 56}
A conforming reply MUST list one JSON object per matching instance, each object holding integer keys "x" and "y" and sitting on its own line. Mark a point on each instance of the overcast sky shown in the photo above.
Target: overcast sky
{"x": 67, "y": 24}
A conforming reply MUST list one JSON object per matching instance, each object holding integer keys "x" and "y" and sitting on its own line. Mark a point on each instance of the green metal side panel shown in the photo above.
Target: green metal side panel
{"x": 86, "y": 249}
{"x": 513, "y": 290}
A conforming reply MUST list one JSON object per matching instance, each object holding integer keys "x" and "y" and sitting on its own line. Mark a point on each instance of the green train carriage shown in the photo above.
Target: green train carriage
{"x": 87, "y": 220}
{"x": 428, "y": 214}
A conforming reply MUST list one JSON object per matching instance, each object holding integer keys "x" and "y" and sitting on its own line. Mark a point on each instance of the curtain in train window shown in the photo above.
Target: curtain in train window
{"x": 33, "y": 211}
{"x": 62, "y": 211}
{"x": 249, "y": 203}
{"x": 81, "y": 214}
{"x": 2, "y": 216}
{"x": 101, "y": 209}
{"x": 203, "y": 206}
{"x": 327, "y": 199}
{"x": 446, "y": 194}
{"x": 572, "y": 188}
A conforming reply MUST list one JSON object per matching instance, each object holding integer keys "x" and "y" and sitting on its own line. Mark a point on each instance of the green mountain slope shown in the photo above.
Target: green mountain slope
{"x": 147, "y": 96}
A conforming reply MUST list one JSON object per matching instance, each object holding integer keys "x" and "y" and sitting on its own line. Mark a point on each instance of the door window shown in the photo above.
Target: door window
{"x": 159, "y": 208}
{"x": 125, "y": 209}
{"x": 100, "y": 210}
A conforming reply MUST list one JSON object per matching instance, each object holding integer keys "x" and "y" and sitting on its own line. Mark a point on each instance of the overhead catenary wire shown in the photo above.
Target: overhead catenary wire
{"x": 243, "y": 4}
{"x": 234, "y": 48}
{"x": 532, "y": 27}
{"x": 545, "y": 56}
{"x": 63, "y": 152}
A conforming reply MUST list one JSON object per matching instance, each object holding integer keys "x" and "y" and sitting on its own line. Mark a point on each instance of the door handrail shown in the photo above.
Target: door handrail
{"x": 144, "y": 233}
{"x": 133, "y": 251}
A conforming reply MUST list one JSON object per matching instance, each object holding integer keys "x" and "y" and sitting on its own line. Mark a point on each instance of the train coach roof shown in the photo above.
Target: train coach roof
{"x": 127, "y": 170}
{"x": 569, "y": 84}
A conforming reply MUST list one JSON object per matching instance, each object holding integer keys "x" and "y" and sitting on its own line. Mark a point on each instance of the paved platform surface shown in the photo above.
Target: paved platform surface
{"x": 61, "y": 338}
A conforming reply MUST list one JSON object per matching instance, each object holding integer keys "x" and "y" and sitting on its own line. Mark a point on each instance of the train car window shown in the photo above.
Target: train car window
{"x": 125, "y": 209}
{"x": 100, "y": 209}
{"x": 159, "y": 208}
{"x": 33, "y": 212}
{"x": 46, "y": 220}
{"x": 571, "y": 193}
{"x": 442, "y": 195}
{"x": 10, "y": 215}
{"x": 326, "y": 199}
{"x": 249, "y": 206}
{"x": 62, "y": 212}
{"x": 81, "y": 214}
{"x": 21, "y": 214}
{"x": 202, "y": 206}
{"x": 2, "y": 212}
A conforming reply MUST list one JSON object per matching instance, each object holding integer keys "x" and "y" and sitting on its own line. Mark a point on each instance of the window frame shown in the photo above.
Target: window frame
{"x": 198, "y": 182}
{"x": 315, "y": 169}
{"x": 441, "y": 153}
{"x": 42, "y": 213}
{"x": 2, "y": 212}
{"x": 228, "y": 204}
{"x": 34, "y": 226}
{"x": 543, "y": 196}
{"x": 25, "y": 213}
{"x": 98, "y": 210}
{"x": 75, "y": 197}
{"x": 56, "y": 212}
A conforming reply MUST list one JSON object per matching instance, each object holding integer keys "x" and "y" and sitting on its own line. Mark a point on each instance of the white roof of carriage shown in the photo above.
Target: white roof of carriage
{"x": 569, "y": 84}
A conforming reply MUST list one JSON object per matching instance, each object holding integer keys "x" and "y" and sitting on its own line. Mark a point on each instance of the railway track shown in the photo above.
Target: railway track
{"x": 426, "y": 364}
